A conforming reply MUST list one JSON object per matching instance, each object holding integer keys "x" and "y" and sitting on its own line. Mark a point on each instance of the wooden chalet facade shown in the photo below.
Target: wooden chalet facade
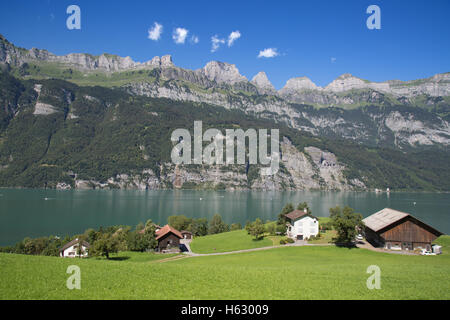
{"x": 396, "y": 230}
{"x": 168, "y": 239}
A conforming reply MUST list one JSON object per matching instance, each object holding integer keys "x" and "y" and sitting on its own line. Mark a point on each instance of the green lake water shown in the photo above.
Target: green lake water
{"x": 35, "y": 213}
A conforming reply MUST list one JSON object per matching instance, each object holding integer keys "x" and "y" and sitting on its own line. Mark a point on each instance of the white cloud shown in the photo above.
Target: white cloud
{"x": 233, "y": 37}
{"x": 216, "y": 43}
{"x": 155, "y": 32}
{"x": 268, "y": 53}
{"x": 333, "y": 59}
{"x": 179, "y": 35}
{"x": 195, "y": 39}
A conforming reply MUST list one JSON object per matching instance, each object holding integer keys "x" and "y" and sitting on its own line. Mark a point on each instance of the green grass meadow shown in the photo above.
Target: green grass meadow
{"x": 282, "y": 273}
{"x": 228, "y": 241}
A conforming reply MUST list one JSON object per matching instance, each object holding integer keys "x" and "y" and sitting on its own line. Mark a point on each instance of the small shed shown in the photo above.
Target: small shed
{"x": 186, "y": 234}
{"x": 437, "y": 249}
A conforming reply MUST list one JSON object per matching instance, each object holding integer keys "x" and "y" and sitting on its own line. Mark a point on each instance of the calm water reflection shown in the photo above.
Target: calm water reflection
{"x": 35, "y": 213}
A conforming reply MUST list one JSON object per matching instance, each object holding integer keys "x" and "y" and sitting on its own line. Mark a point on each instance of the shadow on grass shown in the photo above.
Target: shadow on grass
{"x": 350, "y": 245}
{"x": 118, "y": 258}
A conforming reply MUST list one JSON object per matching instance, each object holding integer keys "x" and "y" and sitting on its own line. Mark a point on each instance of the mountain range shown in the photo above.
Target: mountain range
{"x": 392, "y": 119}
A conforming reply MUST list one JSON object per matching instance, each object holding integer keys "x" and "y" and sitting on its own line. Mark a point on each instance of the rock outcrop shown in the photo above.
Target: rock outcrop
{"x": 263, "y": 84}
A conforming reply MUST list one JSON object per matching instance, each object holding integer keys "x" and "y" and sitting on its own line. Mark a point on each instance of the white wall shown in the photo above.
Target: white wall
{"x": 71, "y": 252}
{"x": 306, "y": 226}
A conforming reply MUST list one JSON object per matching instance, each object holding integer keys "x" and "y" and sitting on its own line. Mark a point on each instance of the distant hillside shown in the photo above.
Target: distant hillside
{"x": 56, "y": 134}
{"x": 394, "y": 114}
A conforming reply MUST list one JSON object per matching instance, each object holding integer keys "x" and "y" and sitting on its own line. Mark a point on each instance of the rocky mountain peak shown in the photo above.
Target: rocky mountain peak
{"x": 346, "y": 82}
{"x": 222, "y": 72}
{"x": 166, "y": 61}
{"x": 298, "y": 84}
{"x": 262, "y": 82}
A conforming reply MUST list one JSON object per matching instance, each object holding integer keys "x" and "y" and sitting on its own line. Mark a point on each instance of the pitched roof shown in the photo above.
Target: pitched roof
{"x": 74, "y": 242}
{"x": 296, "y": 214}
{"x": 383, "y": 218}
{"x": 387, "y": 217}
{"x": 165, "y": 230}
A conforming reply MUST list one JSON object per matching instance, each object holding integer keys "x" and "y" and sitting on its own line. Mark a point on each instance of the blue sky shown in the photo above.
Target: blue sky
{"x": 317, "y": 39}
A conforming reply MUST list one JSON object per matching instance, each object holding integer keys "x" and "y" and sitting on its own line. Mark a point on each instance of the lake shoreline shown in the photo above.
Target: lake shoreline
{"x": 43, "y": 212}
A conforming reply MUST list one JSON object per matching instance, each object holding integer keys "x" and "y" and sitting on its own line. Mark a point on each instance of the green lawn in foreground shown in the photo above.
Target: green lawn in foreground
{"x": 283, "y": 273}
{"x": 228, "y": 241}
{"x": 136, "y": 256}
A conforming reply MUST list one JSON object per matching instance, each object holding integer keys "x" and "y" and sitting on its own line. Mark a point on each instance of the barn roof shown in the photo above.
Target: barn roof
{"x": 383, "y": 218}
{"x": 387, "y": 217}
{"x": 165, "y": 230}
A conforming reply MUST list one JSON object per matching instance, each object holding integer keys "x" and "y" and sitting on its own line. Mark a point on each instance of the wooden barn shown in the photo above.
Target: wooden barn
{"x": 168, "y": 239}
{"x": 396, "y": 230}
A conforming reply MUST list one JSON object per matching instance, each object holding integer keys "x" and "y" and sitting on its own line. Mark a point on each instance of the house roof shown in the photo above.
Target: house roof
{"x": 387, "y": 217}
{"x": 73, "y": 242}
{"x": 296, "y": 214}
{"x": 167, "y": 229}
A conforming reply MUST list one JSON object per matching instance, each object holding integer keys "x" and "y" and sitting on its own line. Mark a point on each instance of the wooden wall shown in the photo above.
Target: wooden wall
{"x": 409, "y": 230}
{"x": 164, "y": 241}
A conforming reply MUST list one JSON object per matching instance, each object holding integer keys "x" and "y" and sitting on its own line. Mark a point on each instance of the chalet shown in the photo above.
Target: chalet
{"x": 396, "y": 230}
{"x": 70, "y": 250}
{"x": 168, "y": 239}
{"x": 301, "y": 225}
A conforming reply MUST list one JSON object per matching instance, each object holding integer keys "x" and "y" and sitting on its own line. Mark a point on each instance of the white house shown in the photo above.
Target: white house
{"x": 70, "y": 249}
{"x": 301, "y": 225}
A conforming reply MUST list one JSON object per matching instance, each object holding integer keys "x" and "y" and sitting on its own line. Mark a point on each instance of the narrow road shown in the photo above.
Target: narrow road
{"x": 296, "y": 244}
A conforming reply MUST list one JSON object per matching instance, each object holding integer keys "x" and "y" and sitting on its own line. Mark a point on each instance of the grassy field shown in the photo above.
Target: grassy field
{"x": 283, "y": 273}
{"x": 228, "y": 241}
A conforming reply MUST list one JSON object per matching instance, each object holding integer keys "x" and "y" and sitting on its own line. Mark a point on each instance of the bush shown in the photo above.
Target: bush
{"x": 235, "y": 226}
{"x": 271, "y": 229}
{"x": 281, "y": 229}
{"x": 286, "y": 241}
{"x": 326, "y": 226}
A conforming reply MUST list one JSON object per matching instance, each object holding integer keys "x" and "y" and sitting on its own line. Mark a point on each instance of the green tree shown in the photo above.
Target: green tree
{"x": 346, "y": 223}
{"x": 282, "y": 215}
{"x": 217, "y": 225}
{"x": 272, "y": 229}
{"x": 105, "y": 245}
{"x": 257, "y": 229}
{"x": 302, "y": 206}
{"x": 179, "y": 222}
{"x": 80, "y": 251}
{"x": 199, "y": 227}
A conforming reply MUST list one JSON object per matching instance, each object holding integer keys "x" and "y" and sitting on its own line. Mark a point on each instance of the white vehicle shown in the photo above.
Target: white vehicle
{"x": 424, "y": 252}
{"x": 359, "y": 237}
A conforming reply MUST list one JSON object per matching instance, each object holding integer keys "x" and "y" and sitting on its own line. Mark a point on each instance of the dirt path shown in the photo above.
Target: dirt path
{"x": 297, "y": 244}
